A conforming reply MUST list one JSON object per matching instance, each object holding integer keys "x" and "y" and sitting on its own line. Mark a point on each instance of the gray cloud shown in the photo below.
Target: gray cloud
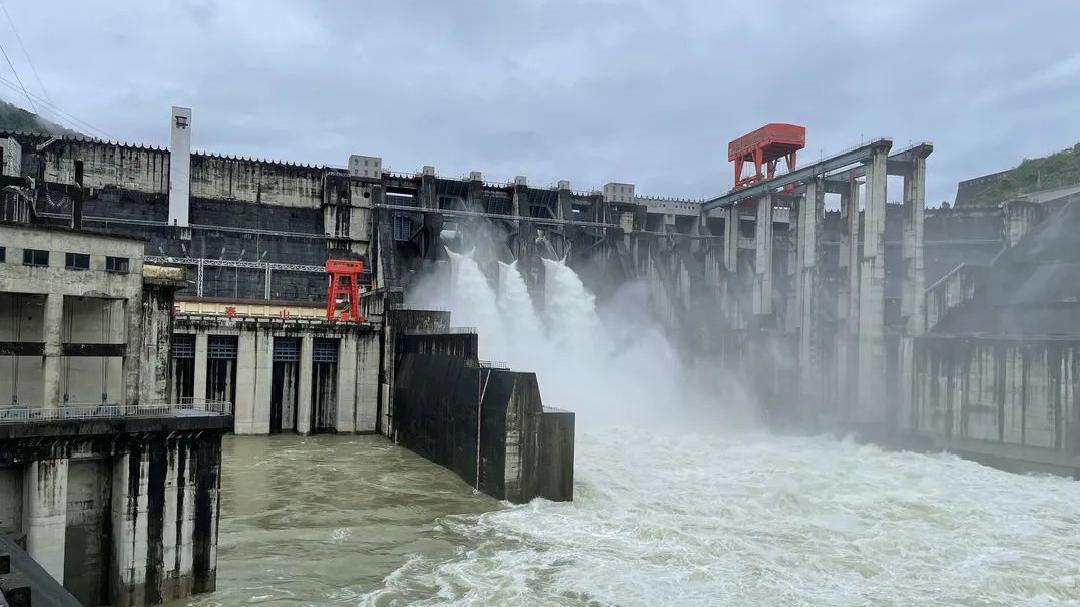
{"x": 586, "y": 90}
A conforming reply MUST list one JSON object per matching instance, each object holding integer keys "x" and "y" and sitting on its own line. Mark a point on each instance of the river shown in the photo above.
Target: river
{"x": 688, "y": 519}
{"x": 703, "y": 508}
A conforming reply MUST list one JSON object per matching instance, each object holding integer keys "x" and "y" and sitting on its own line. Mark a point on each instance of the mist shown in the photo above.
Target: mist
{"x": 610, "y": 362}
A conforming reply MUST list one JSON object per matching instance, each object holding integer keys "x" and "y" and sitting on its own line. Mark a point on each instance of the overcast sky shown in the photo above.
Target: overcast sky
{"x": 647, "y": 92}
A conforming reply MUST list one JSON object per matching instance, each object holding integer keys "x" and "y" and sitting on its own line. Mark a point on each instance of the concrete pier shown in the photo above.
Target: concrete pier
{"x": 870, "y": 406}
{"x": 763, "y": 257}
{"x": 45, "y": 484}
{"x": 118, "y": 499}
{"x": 811, "y": 210}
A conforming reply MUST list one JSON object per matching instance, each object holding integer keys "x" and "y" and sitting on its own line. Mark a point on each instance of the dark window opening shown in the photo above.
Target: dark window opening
{"x": 77, "y": 261}
{"x": 117, "y": 264}
{"x": 78, "y": 172}
{"x": 3, "y": 254}
{"x": 35, "y": 257}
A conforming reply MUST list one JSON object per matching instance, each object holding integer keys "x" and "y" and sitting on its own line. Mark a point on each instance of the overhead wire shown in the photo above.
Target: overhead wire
{"x": 26, "y": 53}
{"x": 19, "y": 80}
{"x": 64, "y": 116}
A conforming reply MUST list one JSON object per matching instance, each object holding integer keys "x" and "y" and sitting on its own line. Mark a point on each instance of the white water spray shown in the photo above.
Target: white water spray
{"x": 611, "y": 365}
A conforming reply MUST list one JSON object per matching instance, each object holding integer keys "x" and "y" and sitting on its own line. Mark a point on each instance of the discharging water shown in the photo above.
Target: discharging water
{"x": 691, "y": 519}
{"x": 701, "y": 509}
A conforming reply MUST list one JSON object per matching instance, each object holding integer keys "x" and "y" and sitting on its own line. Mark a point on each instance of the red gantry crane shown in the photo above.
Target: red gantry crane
{"x": 764, "y": 147}
{"x": 345, "y": 282}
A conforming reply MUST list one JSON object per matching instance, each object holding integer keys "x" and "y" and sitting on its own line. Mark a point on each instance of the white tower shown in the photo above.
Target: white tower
{"x": 179, "y": 166}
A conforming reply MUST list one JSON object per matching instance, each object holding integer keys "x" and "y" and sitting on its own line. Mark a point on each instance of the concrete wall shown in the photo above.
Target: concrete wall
{"x": 90, "y": 337}
{"x": 1016, "y": 400}
{"x": 487, "y": 425}
{"x": 136, "y": 168}
{"x": 119, "y": 519}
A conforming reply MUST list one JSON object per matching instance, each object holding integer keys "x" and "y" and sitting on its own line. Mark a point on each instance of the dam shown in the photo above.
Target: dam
{"x": 784, "y": 392}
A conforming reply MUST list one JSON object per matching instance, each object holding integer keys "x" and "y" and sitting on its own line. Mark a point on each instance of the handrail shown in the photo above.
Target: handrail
{"x": 105, "y": 410}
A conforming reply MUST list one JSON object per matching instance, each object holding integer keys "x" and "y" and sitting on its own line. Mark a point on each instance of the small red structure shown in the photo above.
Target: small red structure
{"x": 344, "y": 280}
{"x": 765, "y": 146}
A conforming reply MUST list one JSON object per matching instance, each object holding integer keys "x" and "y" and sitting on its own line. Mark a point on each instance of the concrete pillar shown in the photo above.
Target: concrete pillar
{"x": 199, "y": 383}
{"x": 130, "y": 532}
{"x": 871, "y": 403}
{"x": 177, "y": 547}
{"x": 346, "y": 384}
{"x": 810, "y": 212}
{"x": 264, "y": 381}
{"x": 51, "y": 396}
{"x": 244, "y": 407}
{"x": 848, "y": 347}
{"x": 763, "y": 252}
{"x": 913, "y": 303}
{"x": 303, "y": 396}
{"x": 915, "y": 275}
{"x": 367, "y": 382}
{"x": 45, "y": 485}
{"x": 731, "y": 239}
{"x": 133, "y": 318}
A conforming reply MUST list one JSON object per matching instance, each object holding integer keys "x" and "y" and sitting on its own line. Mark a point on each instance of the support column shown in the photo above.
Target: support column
{"x": 731, "y": 239}
{"x": 367, "y": 382}
{"x": 54, "y": 322}
{"x": 244, "y": 407}
{"x": 264, "y": 380}
{"x": 849, "y": 360}
{"x": 45, "y": 485}
{"x": 811, "y": 209}
{"x": 130, "y": 532}
{"x": 914, "y": 273}
{"x": 133, "y": 318}
{"x": 914, "y": 287}
{"x": 763, "y": 252}
{"x": 871, "y": 403}
{"x": 346, "y": 384}
{"x": 199, "y": 384}
{"x": 303, "y": 396}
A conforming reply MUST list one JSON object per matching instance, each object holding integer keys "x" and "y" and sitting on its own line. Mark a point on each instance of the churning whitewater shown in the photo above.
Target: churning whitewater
{"x": 723, "y": 514}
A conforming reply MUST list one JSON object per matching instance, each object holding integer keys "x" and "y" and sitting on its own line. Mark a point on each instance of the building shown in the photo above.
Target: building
{"x": 112, "y": 486}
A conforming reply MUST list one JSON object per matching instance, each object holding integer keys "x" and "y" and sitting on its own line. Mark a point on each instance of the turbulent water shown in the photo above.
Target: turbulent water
{"x": 701, "y": 509}
{"x": 687, "y": 519}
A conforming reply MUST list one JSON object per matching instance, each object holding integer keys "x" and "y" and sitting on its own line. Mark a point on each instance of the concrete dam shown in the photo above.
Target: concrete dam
{"x": 781, "y": 394}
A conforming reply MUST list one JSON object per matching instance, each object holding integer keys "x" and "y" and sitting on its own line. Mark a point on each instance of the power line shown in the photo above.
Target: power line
{"x": 73, "y": 120}
{"x": 14, "y": 71}
{"x": 25, "y": 52}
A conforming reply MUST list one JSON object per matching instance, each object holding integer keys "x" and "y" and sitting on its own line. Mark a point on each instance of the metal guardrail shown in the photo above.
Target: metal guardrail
{"x": 446, "y": 331}
{"x": 493, "y": 364}
{"x": 13, "y": 414}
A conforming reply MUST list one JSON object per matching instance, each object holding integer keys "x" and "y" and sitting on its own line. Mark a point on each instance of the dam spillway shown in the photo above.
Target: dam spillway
{"x": 676, "y": 331}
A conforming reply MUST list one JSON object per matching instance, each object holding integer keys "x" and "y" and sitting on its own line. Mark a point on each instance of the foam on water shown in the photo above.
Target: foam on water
{"x": 723, "y": 517}
{"x": 760, "y": 520}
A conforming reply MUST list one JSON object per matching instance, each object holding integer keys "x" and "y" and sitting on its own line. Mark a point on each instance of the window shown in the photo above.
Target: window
{"x": 35, "y": 257}
{"x": 3, "y": 254}
{"x": 77, "y": 261}
{"x": 116, "y": 264}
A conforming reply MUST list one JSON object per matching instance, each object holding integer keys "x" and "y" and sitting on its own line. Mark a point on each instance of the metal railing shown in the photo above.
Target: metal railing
{"x": 74, "y": 411}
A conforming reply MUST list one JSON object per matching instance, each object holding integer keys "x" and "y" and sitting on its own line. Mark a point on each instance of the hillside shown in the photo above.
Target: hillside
{"x": 1052, "y": 172}
{"x": 14, "y": 118}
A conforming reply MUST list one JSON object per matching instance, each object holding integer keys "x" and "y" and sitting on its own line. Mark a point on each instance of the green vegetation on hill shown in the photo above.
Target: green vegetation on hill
{"x": 14, "y": 118}
{"x": 1055, "y": 171}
